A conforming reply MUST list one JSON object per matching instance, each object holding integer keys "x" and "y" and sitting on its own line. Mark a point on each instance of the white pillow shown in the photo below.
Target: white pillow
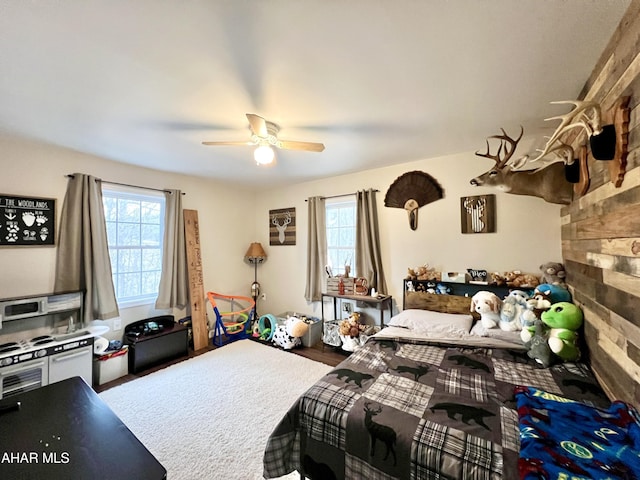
{"x": 426, "y": 321}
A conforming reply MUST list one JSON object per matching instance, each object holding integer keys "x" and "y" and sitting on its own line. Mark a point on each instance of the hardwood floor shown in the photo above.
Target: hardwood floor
{"x": 319, "y": 352}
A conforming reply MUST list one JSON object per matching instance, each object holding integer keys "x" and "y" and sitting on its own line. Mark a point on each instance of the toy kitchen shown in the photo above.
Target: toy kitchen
{"x": 43, "y": 340}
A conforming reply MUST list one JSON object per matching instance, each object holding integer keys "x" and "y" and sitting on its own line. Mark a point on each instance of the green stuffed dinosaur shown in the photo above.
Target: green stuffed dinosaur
{"x": 564, "y": 319}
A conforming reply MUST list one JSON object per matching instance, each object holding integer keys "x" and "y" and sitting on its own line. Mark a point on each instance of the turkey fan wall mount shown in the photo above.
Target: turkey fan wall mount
{"x": 411, "y": 191}
{"x": 264, "y": 136}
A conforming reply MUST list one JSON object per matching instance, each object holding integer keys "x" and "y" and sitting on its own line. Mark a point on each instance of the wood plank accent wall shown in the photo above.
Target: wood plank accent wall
{"x": 601, "y": 230}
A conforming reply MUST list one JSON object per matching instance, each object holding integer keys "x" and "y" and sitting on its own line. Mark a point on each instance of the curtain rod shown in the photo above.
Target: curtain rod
{"x": 344, "y": 195}
{"x": 130, "y": 185}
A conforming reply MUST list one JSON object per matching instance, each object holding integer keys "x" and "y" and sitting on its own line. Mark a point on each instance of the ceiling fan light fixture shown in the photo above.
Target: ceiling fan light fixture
{"x": 263, "y": 155}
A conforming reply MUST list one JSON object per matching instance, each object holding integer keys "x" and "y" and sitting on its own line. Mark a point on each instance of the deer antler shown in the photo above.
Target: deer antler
{"x": 505, "y": 142}
{"x": 576, "y": 118}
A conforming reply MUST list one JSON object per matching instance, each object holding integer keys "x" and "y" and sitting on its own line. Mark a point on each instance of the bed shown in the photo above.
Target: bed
{"x": 414, "y": 406}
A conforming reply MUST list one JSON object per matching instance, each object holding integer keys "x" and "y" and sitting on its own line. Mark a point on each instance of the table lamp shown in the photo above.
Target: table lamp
{"x": 255, "y": 255}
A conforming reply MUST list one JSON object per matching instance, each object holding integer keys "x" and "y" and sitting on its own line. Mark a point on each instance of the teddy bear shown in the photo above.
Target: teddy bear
{"x": 350, "y": 330}
{"x": 563, "y": 319}
{"x": 351, "y": 326}
{"x": 553, "y": 273}
{"x": 487, "y": 304}
{"x": 288, "y": 335}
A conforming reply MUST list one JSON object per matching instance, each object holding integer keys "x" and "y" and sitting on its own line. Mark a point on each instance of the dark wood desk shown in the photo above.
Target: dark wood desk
{"x": 381, "y": 303}
{"x": 65, "y": 431}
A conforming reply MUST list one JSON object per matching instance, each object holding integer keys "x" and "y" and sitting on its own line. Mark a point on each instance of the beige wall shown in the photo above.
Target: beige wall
{"x": 528, "y": 230}
{"x": 225, "y": 216}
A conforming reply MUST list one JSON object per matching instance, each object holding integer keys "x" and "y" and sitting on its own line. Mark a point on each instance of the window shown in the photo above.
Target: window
{"x": 135, "y": 231}
{"x": 341, "y": 234}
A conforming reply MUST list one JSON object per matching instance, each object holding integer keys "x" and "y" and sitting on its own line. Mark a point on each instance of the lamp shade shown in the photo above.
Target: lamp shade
{"x": 255, "y": 253}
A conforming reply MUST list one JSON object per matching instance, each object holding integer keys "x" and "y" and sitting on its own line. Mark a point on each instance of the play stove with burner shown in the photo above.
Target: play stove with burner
{"x": 30, "y": 354}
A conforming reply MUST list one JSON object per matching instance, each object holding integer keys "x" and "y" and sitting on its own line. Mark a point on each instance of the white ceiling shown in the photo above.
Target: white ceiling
{"x": 379, "y": 82}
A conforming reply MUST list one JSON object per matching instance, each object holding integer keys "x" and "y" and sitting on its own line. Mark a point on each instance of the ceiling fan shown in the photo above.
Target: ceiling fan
{"x": 264, "y": 135}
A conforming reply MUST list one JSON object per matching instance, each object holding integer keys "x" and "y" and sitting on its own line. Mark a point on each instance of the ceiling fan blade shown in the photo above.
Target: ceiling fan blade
{"x": 228, "y": 143}
{"x": 307, "y": 146}
{"x": 258, "y": 124}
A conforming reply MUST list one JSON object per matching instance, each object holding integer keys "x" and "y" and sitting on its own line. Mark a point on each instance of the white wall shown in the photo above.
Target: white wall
{"x": 38, "y": 170}
{"x": 528, "y": 230}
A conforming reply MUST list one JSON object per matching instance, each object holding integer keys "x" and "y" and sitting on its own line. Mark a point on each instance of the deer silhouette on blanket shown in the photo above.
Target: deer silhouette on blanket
{"x": 377, "y": 431}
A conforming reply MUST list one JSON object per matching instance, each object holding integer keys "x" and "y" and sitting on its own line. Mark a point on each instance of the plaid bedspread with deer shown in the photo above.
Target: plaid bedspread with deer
{"x": 416, "y": 411}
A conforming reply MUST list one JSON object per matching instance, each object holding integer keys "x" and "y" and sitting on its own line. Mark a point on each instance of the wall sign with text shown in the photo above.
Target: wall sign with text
{"x": 27, "y": 221}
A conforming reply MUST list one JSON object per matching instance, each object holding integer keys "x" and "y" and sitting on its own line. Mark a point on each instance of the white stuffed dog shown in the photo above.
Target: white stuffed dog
{"x": 487, "y": 304}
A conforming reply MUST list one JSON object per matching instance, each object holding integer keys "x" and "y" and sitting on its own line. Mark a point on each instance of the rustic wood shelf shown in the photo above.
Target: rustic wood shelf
{"x": 381, "y": 303}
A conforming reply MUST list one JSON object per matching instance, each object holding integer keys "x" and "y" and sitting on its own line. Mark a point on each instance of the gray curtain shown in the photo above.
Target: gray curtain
{"x": 173, "y": 289}
{"x": 316, "y": 249}
{"x": 368, "y": 256}
{"x": 82, "y": 261}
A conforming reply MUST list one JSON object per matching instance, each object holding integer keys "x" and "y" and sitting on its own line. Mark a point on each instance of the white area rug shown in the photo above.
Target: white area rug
{"x": 209, "y": 417}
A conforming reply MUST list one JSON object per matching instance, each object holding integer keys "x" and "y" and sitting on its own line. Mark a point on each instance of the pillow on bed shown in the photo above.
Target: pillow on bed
{"x": 426, "y": 321}
{"x": 480, "y": 331}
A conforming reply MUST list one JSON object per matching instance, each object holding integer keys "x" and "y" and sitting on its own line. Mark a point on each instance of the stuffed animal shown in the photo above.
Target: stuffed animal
{"x": 564, "y": 319}
{"x": 535, "y": 305}
{"x": 517, "y": 279}
{"x": 553, "y": 273}
{"x": 525, "y": 280}
{"x": 351, "y": 326}
{"x": 555, "y": 293}
{"x": 288, "y": 335}
{"x": 520, "y": 297}
{"x": 539, "y": 349}
{"x": 350, "y": 330}
{"x": 487, "y": 304}
{"x": 442, "y": 289}
{"x": 510, "y": 312}
{"x": 497, "y": 279}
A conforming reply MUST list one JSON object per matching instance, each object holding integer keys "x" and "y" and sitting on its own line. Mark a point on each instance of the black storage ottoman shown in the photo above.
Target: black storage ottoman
{"x": 154, "y": 341}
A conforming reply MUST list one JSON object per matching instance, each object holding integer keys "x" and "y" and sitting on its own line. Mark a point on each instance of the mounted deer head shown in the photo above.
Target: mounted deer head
{"x": 547, "y": 182}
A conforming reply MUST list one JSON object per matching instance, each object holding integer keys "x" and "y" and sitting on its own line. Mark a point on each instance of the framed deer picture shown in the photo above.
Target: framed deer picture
{"x": 282, "y": 226}
{"x": 478, "y": 214}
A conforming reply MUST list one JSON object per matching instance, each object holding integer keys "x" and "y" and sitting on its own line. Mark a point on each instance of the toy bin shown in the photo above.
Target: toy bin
{"x": 110, "y": 366}
{"x": 314, "y": 333}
